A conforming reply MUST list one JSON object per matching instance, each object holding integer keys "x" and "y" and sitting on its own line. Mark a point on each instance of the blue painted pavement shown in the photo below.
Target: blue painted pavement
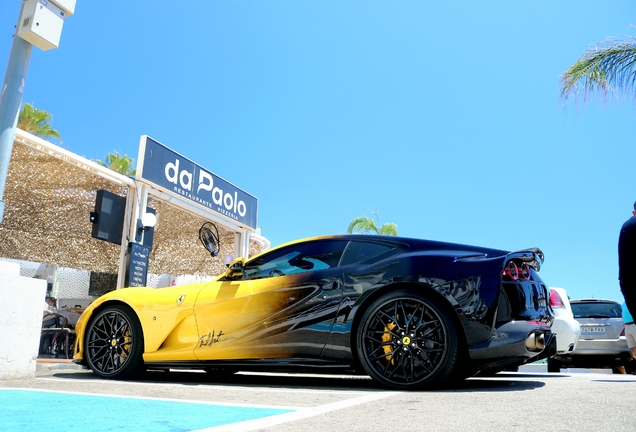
{"x": 35, "y": 410}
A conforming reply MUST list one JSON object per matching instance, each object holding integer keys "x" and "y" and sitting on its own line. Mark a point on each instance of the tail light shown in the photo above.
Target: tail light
{"x": 511, "y": 270}
{"x": 555, "y": 300}
{"x": 623, "y": 332}
{"x": 525, "y": 271}
{"x": 514, "y": 272}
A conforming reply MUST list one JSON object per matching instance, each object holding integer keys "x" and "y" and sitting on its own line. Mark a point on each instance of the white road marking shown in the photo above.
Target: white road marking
{"x": 303, "y": 413}
{"x": 199, "y": 402}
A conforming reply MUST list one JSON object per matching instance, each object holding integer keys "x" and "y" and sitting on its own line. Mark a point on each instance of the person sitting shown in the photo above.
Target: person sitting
{"x": 50, "y": 310}
{"x": 50, "y": 305}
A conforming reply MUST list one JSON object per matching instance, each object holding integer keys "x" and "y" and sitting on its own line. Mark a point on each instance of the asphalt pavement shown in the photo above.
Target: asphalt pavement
{"x": 62, "y": 396}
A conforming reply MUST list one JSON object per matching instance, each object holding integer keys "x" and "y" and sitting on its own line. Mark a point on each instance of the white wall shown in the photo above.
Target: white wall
{"x": 20, "y": 321}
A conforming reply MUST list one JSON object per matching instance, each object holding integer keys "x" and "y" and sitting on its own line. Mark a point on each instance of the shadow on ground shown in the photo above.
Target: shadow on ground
{"x": 497, "y": 383}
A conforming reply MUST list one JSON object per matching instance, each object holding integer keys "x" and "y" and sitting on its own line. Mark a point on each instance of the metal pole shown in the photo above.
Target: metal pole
{"x": 10, "y": 101}
{"x": 131, "y": 203}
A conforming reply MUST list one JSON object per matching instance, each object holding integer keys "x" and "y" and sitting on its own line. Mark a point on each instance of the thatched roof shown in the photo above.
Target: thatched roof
{"x": 48, "y": 201}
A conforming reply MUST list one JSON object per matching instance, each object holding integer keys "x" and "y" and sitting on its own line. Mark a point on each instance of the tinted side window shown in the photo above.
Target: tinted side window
{"x": 358, "y": 251}
{"x": 298, "y": 258}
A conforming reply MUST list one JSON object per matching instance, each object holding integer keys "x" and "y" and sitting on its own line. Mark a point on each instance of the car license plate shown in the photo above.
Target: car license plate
{"x": 593, "y": 329}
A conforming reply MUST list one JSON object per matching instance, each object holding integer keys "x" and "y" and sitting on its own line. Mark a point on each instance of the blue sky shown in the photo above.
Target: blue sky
{"x": 444, "y": 116}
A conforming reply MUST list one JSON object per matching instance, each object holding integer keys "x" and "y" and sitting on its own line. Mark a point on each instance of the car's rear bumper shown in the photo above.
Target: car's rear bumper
{"x": 601, "y": 347}
{"x": 568, "y": 334}
{"x": 597, "y": 353}
{"x": 512, "y": 344}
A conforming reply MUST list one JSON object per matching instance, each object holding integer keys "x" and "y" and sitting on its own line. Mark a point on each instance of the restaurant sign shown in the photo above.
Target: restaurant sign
{"x": 177, "y": 175}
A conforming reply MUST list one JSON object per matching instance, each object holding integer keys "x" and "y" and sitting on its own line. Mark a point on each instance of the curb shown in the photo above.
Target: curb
{"x": 56, "y": 364}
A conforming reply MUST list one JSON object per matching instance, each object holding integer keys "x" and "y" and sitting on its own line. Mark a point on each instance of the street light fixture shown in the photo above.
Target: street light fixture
{"x": 147, "y": 221}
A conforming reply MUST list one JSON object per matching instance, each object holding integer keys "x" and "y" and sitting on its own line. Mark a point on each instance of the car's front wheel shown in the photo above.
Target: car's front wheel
{"x": 407, "y": 341}
{"x": 114, "y": 343}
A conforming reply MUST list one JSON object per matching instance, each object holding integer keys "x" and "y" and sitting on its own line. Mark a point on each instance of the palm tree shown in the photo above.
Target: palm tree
{"x": 609, "y": 67}
{"x": 121, "y": 164}
{"x": 364, "y": 224}
{"x": 37, "y": 122}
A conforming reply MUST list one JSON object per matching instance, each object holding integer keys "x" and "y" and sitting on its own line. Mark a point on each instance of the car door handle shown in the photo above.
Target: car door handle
{"x": 334, "y": 287}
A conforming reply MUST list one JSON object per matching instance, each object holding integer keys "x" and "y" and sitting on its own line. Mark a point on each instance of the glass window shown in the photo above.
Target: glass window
{"x": 358, "y": 251}
{"x": 298, "y": 258}
{"x": 597, "y": 310}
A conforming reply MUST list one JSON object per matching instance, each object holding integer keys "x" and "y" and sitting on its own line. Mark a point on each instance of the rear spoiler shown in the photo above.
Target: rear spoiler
{"x": 534, "y": 257}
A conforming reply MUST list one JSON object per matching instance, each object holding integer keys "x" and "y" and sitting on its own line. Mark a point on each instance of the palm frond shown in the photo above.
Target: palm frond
{"x": 389, "y": 229}
{"x": 362, "y": 224}
{"x": 365, "y": 225}
{"x": 37, "y": 122}
{"x": 610, "y": 67}
{"x": 121, "y": 164}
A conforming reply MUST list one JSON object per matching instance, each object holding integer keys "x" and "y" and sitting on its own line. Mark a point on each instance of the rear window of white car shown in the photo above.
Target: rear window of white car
{"x": 596, "y": 310}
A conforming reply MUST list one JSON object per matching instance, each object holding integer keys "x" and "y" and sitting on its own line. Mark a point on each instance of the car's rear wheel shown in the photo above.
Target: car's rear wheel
{"x": 407, "y": 341}
{"x": 554, "y": 365}
{"x": 115, "y": 343}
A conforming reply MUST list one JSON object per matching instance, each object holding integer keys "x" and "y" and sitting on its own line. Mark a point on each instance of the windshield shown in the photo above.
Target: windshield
{"x": 596, "y": 310}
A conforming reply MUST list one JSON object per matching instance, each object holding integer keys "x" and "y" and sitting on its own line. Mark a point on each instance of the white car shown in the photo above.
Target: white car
{"x": 567, "y": 329}
{"x": 602, "y": 343}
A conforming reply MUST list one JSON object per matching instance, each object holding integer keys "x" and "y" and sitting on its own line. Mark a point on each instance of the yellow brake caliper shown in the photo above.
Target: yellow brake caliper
{"x": 388, "y": 337}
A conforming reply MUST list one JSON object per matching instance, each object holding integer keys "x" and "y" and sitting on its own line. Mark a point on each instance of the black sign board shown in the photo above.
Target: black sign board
{"x": 108, "y": 217}
{"x": 179, "y": 176}
{"x": 137, "y": 269}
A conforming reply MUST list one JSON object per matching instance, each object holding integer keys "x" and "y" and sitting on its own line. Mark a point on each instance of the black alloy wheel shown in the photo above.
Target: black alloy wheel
{"x": 114, "y": 343}
{"x": 406, "y": 341}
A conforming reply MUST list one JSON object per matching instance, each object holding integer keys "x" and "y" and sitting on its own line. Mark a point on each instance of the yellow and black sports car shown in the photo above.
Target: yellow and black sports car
{"x": 410, "y": 313}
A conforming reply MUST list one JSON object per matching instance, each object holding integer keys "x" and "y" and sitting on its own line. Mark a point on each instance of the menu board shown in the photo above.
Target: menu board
{"x": 137, "y": 270}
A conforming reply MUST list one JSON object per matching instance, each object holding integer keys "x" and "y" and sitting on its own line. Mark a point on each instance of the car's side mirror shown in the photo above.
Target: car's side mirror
{"x": 236, "y": 268}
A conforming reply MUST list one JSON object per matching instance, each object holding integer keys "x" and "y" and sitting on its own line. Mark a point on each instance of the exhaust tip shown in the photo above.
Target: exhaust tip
{"x": 540, "y": 339}
{"x": 535, "y": 341}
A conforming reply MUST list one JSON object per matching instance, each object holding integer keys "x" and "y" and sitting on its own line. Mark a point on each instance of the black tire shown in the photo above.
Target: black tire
{"x": 407, "y": 341}
{"x": 115, "y": 343}
{"x": 554, "y": 365}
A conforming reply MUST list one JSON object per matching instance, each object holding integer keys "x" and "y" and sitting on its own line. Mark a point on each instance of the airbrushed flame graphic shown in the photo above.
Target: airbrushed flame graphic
{"x": 267, "y": 317}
